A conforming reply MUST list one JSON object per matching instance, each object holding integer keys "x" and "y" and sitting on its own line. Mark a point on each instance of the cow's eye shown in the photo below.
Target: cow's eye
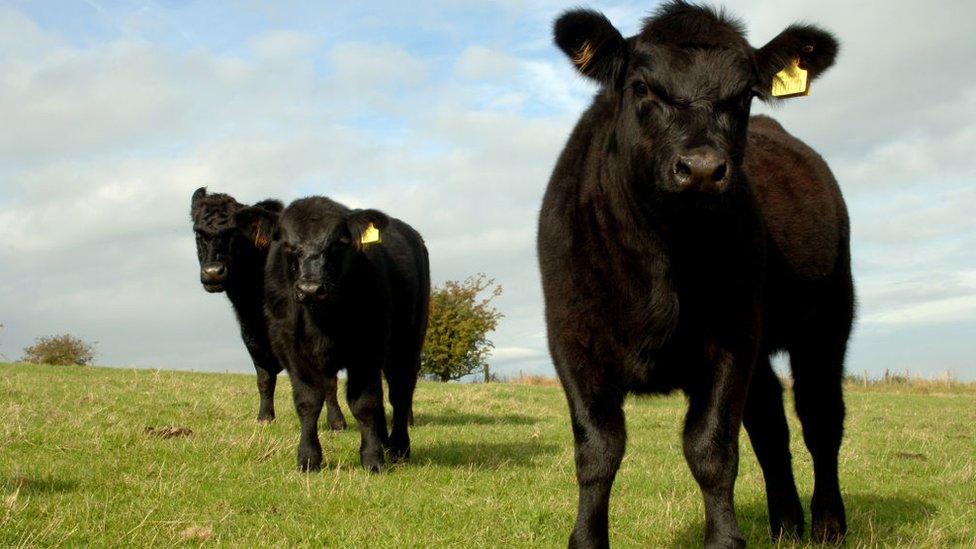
{"x": 640, "y": 89}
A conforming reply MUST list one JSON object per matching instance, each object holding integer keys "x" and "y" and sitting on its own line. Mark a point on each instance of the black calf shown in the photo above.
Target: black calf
{"x": 680, "y": 241}
{"x": 234, "y": 263}
{"x": 337, "y": 298}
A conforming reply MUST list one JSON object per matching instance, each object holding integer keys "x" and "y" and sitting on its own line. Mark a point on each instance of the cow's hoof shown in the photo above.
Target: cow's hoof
{"x": 828, "y": 528}
{"x": 787, "y": 526}
{"x": 583, "y": 538}
{"x": 337, "y": 424}
{"x": 729, "y": 541}
{"x": 373, "y": 463}
{"x": 309, "y": 461}
{"x": 264, "y": 420}
{"x": 786, "y": 530}
{"x": 399, "y": 454}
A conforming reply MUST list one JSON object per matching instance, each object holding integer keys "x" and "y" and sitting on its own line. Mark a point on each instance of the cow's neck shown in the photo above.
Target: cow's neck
{"x": 246, "y": 289}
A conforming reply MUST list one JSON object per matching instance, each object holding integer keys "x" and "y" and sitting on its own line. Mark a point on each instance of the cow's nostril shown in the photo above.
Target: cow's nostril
{"x": 682, "y": 169}
{"x": 214, "y": 273}
{"x": 719, "y": 173}
{"x": 310, "y": 289}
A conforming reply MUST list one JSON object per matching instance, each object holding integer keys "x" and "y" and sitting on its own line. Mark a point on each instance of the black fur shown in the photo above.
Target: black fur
{"x": 221, "y": 243}
{"x": 666, "y": 214}
{"x": 334, "y": 303}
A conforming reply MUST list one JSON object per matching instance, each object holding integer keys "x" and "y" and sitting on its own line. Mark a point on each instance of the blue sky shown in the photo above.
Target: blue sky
{"x": 449, "y": 115}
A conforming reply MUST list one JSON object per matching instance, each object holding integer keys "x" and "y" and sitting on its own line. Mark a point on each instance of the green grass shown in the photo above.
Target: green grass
{"x": 492, "y": 466}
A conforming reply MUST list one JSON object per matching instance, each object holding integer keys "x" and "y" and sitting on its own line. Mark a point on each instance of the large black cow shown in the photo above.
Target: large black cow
{"x": 681, "y": 243}
{"x": 233, "y": 262}
{"x": 345, "y": 289}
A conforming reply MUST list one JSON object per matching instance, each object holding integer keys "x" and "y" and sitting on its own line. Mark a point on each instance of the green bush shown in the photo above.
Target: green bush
{"x": 457, "y": 341}
{"x": 60, "y": 350}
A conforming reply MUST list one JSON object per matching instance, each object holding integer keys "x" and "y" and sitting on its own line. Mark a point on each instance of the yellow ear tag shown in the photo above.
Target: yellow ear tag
{"x": 791, "y": 81}
{"x": 371, "y": 235}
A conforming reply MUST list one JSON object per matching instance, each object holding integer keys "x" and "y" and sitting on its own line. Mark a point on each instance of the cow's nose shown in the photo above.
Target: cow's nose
{"x": 701, "y": 169}
{"x": 309, "y": 290}
{"x": 214, "y": 272}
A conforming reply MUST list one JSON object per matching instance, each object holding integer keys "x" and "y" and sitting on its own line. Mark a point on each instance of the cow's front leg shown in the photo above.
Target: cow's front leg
{"x": 364, "y": 392}
{"x": 711, "y": 443}
{"x": 309, "y": 397}
{"x": 600, "y": 438}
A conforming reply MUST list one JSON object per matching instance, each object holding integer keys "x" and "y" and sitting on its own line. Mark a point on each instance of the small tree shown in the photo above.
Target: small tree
{"x": 457, "y": 341}
{"x": 61, "y": 350}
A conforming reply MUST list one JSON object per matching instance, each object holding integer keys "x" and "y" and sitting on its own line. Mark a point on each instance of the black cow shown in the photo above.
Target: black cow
{"x": 334, "y": 300}
{"x": 682, "y": 243}
{"x": 234, "y": 262}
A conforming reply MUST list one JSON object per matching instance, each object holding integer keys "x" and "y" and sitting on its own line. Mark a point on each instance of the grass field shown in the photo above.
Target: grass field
{"x": 491, "y": 467}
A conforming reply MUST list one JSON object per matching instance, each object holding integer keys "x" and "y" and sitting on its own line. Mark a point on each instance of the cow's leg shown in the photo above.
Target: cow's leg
{"x": 765, "y": 420}
{"x": 333, "y": 413}
{"x": 711, "y": 443}
{"x": 600, "y": 437}
{"x": 267, "y": 368}
{"x": 817, "y": 374}
{"x": 267, "y": 379}
{"x": 309, "y": 397}
{"x": 401, "y": 385}
{"x": 364, "y": 392}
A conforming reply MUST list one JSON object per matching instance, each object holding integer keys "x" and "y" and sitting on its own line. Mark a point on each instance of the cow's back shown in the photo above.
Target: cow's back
{"x": 401, "y": 262}
{"x": 800, "y": 201}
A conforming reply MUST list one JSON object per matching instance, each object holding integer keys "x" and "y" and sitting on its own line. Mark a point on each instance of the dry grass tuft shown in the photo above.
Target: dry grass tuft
{"x": 197, "y": 533}
{"x": 168, "y": 432}
{"x": 535, "y": 381}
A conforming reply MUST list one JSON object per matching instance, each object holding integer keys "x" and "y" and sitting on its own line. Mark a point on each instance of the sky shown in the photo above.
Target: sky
{"x": 448, "y": 115}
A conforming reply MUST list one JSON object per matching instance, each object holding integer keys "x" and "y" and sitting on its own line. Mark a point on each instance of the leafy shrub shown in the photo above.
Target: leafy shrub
{"x": 457, "y": 341}
{"x": 61, "y": 350}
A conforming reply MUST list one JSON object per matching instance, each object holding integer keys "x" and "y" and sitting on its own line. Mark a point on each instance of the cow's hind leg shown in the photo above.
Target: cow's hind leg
{"x": 267, "y": 368}
{"x": 600, "y": 436}
{"x": 309, "y": 397}
{"x": 765, "y": 420}
{"x": 402, "y": 384}
{"x": 818, "y": 374}
{"x": 333, "y": 413}
{"x": 267, "y": 379}
{"x": 364, "y": 392}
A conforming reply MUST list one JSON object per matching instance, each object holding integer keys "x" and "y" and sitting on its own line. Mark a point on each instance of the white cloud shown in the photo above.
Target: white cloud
{"x": 379, "y": 67}
{"x": 280, "y": 44}
{"x": 481, "y": 63}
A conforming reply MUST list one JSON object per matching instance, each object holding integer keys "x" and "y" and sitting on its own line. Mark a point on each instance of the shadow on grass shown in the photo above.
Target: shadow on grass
{"x": 883, "y": 513}
{"x": 474, "y": 419}
{"x": 28, "y": 485}
{"x": 481, "y": 454}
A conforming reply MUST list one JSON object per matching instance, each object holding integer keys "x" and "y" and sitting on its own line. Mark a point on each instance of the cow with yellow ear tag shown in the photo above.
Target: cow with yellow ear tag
{"x": 682, "y": 242}
{"x": 349, "y": 290}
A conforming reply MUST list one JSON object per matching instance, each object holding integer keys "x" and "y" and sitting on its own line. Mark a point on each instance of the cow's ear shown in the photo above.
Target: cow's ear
{"x": 366, "y": 226}
{"x": 813, "y": 47}
{"x": 197, "y": 195}
{"x": 271, "y": 205}
{"x": 592, "y": 43}
{"x": 259, "y": 224}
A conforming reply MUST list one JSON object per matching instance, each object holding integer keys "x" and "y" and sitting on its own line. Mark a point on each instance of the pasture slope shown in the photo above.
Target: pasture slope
{"x": 491, "y": 467}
